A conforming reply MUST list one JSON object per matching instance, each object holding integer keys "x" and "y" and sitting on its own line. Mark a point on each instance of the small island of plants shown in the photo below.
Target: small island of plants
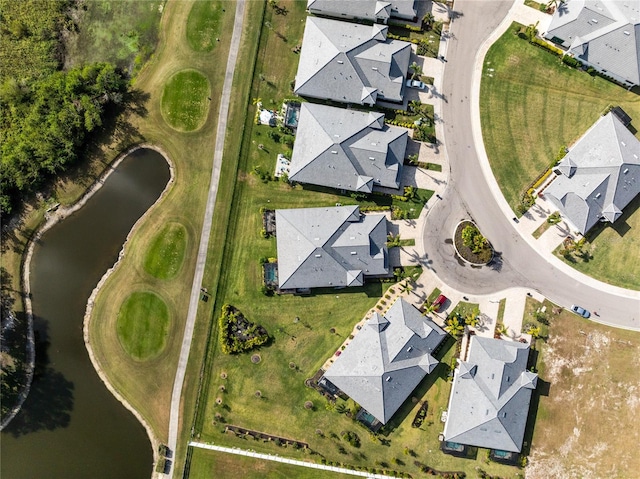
{"x": 237, "y": 333}
{"x": 470, "y": 245}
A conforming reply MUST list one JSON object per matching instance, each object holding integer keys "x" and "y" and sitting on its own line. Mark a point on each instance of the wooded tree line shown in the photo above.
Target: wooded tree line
{"x": 44, "y": 126}
{"x": 45, "y": 113}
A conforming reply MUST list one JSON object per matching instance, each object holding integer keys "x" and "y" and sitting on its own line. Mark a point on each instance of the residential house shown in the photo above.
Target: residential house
{"x": 490, "y": 397}
{"x": 603, "y": 34}
{"x": 600, "y": 175}
{"x": 351, "y": 63}
{"x": 372, "y": 10}
{"x": 387, "y": 359}
{"x": 330, "y": 247}
{"x": 347, "y": 149}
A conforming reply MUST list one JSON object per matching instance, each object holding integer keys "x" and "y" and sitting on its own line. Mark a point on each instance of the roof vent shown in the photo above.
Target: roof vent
{"x": 409, "y": 349}
{"x": 623, "y": 143}
{"x": 626, "y": 170}
{"x": 598, "y": 195}
{"x": 371, "y": 158}
{"x": 374, "y": 68}
{"x": 388, "y": 378}
{"x": 594, "y": 20}
{"x": 353, "y": 252}
{"x": 334, "y": 152}
{"x": 627, "y": 33}
{"x": 340, "y": 62}
{"x": 318, "y": 256}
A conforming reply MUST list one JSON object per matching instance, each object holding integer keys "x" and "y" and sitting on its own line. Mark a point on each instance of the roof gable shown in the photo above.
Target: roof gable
{"x": 329, "y": 247}
{"x": 351, "y": 63}
{"x": 347, "y": 149}
{"x": 605, "y": 34}
{"x": 490, "y": 397}
{"x": 387, "y": 359}
{"x": 601, "y": 171}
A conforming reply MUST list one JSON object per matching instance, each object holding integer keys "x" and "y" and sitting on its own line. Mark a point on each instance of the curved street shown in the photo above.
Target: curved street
{"x": 473, "y": 192}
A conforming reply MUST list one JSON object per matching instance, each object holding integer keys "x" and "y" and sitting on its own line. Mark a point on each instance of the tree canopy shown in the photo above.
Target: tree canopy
{"x": 43, "y": 126}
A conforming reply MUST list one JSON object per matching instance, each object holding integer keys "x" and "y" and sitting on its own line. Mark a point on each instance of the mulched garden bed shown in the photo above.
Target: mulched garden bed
{"x": 242, "y": 432}
{"x": 480, "y": 258}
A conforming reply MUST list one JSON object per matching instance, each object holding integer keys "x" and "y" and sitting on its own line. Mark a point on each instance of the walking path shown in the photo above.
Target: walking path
{"x": 206, "y": 228}
{"x": 284, "y": 460}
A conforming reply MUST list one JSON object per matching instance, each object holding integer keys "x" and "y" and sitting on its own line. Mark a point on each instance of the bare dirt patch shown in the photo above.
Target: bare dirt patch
{"x": 585, "y": 426}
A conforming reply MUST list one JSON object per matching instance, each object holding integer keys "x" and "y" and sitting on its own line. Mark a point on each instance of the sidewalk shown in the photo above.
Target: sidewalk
{"x": 516, "y": 12}
{"x": 284, "y": 460}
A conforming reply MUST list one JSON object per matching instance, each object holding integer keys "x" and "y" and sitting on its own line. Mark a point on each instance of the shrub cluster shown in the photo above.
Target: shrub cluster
{"x": 351, "y": 437}
{"x": 404, "y": 124}
{"x": 237, "y": 333}
{"x": 546, "y": 46}
{"x": 572, "y": 62}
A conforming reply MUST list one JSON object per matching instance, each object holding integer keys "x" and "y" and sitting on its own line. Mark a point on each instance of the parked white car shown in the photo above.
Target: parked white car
{"x": 416, "y": 84}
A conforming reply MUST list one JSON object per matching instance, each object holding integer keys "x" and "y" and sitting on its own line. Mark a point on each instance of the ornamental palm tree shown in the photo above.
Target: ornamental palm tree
{"x": 427, "y": 21}
{"x": 416, "y": 70}
{"x": 454, "y": 326}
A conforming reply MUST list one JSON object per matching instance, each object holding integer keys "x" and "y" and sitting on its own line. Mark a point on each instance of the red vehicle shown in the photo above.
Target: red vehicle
{"x": 440, "y": 300}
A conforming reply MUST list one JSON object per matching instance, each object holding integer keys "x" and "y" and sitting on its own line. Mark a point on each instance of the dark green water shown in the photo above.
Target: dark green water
{"x": 70, "y": 425}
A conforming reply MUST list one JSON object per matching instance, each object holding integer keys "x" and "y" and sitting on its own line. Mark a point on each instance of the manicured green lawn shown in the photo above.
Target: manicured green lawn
{"x": 219, "y": 465}
{"x": 613, "y": 250}
{"x": 166, "y": 253}
{"x": 531, "y": 105}
{"x": 299, "y": 347}
{"x": 185, "y": 100}
{"x": 204, "y": 24}
{"x": 143, "y": 324}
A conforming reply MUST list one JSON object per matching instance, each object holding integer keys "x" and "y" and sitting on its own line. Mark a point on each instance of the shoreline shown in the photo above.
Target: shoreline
{"x": 51, "y": 220}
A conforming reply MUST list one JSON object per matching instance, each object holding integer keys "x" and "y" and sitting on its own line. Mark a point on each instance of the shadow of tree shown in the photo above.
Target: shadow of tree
{"x": 50, "y": 399}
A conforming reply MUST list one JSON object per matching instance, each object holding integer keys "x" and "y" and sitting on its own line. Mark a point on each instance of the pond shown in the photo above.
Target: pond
{"x": 70, "y": 425}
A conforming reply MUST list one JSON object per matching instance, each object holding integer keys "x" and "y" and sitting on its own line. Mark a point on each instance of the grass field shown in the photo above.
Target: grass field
{"x": 166, "y": 253}
{"x": 143, "y": 325}
{"x": 185, "y": 100}
{"x": 230, "y": 466}
{"x": 585, "y": 425}
{"x": 532, "y": 105}
{"x": 123, "y": 32}
{"x": 300, "y": 347}
{"x": 147, "y": 386}
{"x": 204, "y": 23}
{"x": 547, "y": 111}
{"x": 614, "y": 250}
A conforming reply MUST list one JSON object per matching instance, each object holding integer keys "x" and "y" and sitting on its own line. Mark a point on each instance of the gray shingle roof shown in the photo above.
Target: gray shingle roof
{"x": 490, "y": 398}
{"x": 347, "y": 149}
{"x": 605, "y": 34}
{"x": 351, "y": 63}
{"x": 600, "y": 174}
{"x": 365, "y": 9}
{"x": 387, "y": 359}
{"x": 330, "y": 247}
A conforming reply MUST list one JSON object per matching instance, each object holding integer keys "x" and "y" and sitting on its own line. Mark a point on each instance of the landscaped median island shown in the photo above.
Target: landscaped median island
{"x": 470, "y": 245}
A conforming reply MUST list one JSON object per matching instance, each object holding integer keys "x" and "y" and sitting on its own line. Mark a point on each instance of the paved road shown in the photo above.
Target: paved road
{"x": 472, "y": 193}
{"x": 206, "y": 227}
